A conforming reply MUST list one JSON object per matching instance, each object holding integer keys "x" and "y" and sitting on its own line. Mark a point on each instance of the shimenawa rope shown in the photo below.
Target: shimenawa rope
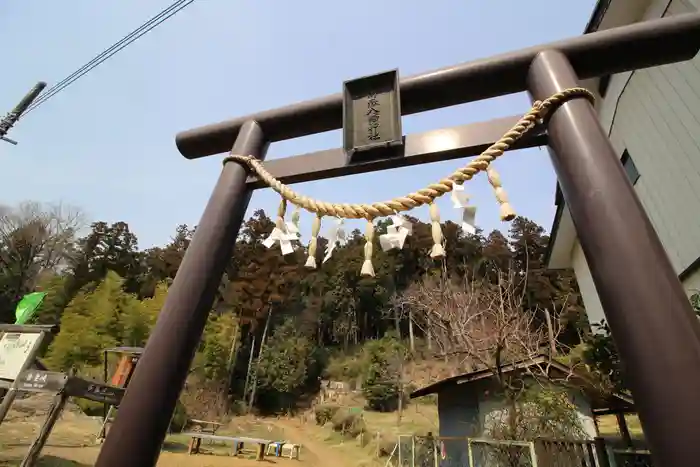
{"x": 534, "y": 117}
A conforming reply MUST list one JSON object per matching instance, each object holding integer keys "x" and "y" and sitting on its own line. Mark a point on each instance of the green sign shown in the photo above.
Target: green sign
{"x": 27, "y": 307}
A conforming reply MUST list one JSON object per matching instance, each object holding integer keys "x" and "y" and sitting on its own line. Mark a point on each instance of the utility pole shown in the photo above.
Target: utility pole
{"x": 11, "y": 118}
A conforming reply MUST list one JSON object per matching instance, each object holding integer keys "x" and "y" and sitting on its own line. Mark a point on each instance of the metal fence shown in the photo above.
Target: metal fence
{"x": 631, "y": 458}
{"x": 567, "y": 453}
{"x": 427, "y": 451}
{"x": 423, "y": 451}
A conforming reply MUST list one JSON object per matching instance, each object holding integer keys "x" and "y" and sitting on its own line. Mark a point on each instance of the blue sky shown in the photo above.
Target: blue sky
{"x": 107, "y": 143}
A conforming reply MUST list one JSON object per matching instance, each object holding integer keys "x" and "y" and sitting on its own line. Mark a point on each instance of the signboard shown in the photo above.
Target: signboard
{"x": 94, "y": 391}
{"x": 15, "y": 349}
{"x": 41, "y": 381}
{"x": 372, "y": 117}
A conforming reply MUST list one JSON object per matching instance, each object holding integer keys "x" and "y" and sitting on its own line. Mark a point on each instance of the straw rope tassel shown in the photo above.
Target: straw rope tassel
{"x": 367, "y": 268}
{"x": 438, "y": 251}
{"x": 313, "y": 243}
{"x": 296, "y": 216}
{"x": 507, "y": 212}
{"x": 281, "y": 211}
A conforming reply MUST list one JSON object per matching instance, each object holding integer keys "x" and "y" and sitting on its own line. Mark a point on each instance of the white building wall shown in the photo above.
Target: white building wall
{"x": 594, "y": 309}
{"x": 494, "y": 412}
{"x": 655, "y": 115}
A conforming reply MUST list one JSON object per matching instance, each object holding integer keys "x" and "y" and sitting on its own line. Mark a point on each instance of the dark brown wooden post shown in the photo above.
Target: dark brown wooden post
{"x": 138, "y": 432}
{"x": 59, "y": 402}
{"x": 601, "y": 452}
{"x": 650, "y": 317}
{"x": 624, "y": 430}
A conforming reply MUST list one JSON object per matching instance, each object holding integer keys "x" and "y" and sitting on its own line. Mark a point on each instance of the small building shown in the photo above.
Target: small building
{"x": 468, "y": 404}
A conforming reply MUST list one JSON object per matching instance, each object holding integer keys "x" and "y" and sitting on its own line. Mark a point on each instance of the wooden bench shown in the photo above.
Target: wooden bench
{"x": 279, "y": 448}
{"x": 237, "y": 442}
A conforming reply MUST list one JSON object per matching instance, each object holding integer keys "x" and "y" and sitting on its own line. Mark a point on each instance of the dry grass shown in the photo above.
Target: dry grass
{"x": 72, "y": 442}
{"x": 382, "y": 430}
{"x": 608, "y": 426}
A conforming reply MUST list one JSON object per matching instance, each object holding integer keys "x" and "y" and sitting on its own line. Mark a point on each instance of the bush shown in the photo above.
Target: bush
{"x": 346, "y": 368}
{"x": 385, "y": 447}
{"x": 286, "y": 368}
{"x": 382, "y": 384}
{"x": 381, "y": 395}
{"x": 324, "y": 414}
{"x": 180, "y": 418}
{"x": 348, "y": 424}
{"x": 90, "y": 408}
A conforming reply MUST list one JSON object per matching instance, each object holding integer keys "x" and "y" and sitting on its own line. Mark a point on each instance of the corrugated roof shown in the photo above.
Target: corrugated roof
{"x": 599, "y": 401}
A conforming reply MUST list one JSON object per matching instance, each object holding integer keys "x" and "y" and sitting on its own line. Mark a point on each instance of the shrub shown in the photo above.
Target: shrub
{"x": 382, "y": 383}
{"x": 346, "y": 368}
{"x": 324, "y": 414}
{"x": 285, "y": 368}
{"x": 180, "y": 418}
{"x": 348, "y": 424}
{"x": 90, "y": 408}
{"x": 385, "y": 446}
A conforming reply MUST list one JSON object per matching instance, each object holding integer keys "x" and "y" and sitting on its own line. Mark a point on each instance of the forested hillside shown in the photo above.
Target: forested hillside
{"x": 330, "y": 322}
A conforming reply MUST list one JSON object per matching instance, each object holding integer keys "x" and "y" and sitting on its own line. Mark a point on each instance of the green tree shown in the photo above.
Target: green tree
{"x": 139, "y": 317}
{"x": 382, "y": 384}
{"x": 51, "y": 309}
{"x": 106, "y": 248}
{"x": 213, "y": 360}
{"x": 160, "y": 264}
{"x": 95, "y": 319}
{"x": 286, "y": 366}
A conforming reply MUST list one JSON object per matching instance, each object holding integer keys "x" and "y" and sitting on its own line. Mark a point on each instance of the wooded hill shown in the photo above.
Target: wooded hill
{"x": 105, "y": 292}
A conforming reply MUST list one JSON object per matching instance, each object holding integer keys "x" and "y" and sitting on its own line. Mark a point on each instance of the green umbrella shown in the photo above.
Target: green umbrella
{"x": 26, "y": 308}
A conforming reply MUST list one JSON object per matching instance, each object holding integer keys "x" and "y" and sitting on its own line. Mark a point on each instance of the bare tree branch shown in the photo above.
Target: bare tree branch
{"x": 36, "y": 238}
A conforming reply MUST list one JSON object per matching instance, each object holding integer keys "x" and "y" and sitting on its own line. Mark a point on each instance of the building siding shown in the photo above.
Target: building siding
{"x": 458, "y": 416}
{"x": 591, "y": 301}
{"x": 655, "y": 115}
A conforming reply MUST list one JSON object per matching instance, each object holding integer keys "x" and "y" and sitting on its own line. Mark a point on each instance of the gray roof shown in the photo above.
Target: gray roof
{"x": 600, "y": 402}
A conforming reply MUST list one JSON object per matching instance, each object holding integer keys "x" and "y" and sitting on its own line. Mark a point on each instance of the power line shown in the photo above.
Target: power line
{"x": 149, "y": 25}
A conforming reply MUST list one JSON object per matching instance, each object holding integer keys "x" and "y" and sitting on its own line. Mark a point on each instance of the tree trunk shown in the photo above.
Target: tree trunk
{"x": 250, "y": 369}
{"x": 400, "y": 408}
{"x": 232, "y": 353}
{"x": 550, "y": 333}
{"x": 231, "y": 364}
{"x": 257, "y": 363}
{"x": 410, "y": 332}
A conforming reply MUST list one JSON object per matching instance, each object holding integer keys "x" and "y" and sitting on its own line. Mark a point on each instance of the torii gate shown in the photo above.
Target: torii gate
{"x": 649, "y": 315}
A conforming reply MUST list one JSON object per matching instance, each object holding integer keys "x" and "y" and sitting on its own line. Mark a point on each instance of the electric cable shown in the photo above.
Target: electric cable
{"x": 130, "y": 38}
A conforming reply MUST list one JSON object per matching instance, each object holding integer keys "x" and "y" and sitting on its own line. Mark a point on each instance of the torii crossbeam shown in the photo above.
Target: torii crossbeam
{"x": 650, "y": 317}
